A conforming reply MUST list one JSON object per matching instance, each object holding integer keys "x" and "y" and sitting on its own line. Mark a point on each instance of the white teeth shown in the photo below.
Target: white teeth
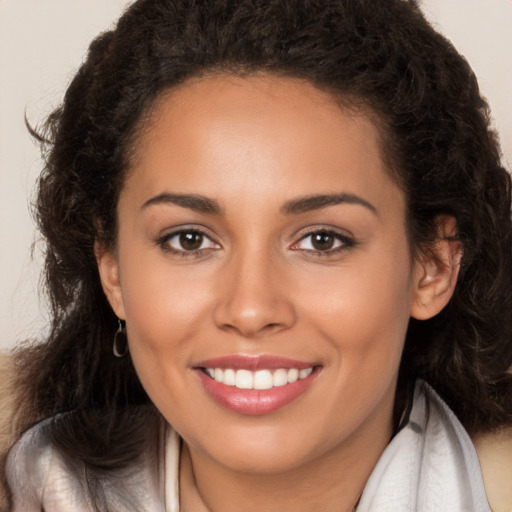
{"x": 244, "y": 379}
{"x": 304, "y": 373}
{"x": 229, "y": 377}
{"x": 263, "y": 379}
{"x": 293, "y": 374}
{"x": 260, "y": 379}
{"x": 280, "y": 377}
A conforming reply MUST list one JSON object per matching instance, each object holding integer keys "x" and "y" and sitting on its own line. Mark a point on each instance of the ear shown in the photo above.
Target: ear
{"x": 435, "y": 274}
{"x": 108, "y": 269}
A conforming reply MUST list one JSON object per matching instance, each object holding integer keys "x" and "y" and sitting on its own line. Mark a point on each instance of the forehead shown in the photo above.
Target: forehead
{"x": 227, "y": 135}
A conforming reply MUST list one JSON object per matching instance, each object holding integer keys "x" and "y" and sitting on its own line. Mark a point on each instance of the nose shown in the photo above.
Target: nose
{"x": 253, "y": 298}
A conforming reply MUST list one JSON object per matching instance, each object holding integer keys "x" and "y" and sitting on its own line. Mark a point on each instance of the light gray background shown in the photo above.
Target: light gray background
{"x": 42, "y": 43}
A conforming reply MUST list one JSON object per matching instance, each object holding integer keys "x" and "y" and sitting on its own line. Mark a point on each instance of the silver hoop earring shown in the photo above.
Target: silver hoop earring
{"x": 120, "y": 347}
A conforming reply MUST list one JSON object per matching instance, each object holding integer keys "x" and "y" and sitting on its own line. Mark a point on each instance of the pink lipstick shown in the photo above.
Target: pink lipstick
{"x": 255, "y": 385}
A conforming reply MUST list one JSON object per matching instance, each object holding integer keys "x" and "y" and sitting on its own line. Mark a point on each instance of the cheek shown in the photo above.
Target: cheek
{"x": 165, "y": 309}
{"x": 163, "y": 302}
{"x": 363, "y": 310}
{"x": 362, "y": 319}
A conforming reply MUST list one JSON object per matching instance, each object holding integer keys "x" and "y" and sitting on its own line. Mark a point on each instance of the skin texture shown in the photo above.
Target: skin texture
{"x": 257, "y": 286}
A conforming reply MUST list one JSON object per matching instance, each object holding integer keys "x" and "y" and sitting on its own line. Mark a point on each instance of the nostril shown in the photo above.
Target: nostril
{"x": 253, "y": 312}
{"x": 254, "y": 330}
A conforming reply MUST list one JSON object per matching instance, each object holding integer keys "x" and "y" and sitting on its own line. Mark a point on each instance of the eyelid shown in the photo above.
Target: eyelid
{"x": 346, "y": 238}
{"x": 163, "y": 240}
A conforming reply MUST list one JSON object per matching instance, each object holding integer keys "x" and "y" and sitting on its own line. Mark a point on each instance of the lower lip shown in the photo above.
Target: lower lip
{"x": 255, "y": 401}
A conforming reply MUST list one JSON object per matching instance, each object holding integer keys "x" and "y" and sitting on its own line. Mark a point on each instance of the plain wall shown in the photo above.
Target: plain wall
{"x": 42, "y": 43}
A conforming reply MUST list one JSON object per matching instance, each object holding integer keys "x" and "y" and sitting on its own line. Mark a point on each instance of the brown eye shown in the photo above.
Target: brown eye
{"x": 187, "y": 242}
{"x": 323, "y": 241}
{"x": 191, "y": 240}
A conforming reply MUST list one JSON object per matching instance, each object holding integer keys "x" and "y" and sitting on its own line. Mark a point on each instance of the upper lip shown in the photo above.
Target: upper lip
{"x": 246, "y": 362}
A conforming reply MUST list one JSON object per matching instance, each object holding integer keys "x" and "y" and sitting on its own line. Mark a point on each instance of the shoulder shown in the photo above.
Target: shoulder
{"x": 430, "y": 465}
{"x": 44, "y": 472}
{"x": 448, "y": 460}
{"x": 495, "y": 454}
{"x": 37, "y": 474}
{"x": 493, "y": 450}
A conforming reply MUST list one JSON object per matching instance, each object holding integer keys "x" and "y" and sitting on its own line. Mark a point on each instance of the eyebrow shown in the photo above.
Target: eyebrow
{"x": 196, "y": 202}
{"x": 203, "y": 204}
{"x": 318, "y": 201}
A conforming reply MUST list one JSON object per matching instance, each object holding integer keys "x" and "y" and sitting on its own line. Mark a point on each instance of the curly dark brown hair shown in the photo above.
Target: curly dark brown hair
{"x": 382, "y": 55}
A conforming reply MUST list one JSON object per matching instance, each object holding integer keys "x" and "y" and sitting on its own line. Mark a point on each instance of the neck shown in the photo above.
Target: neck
{"x": 331, "y": 482}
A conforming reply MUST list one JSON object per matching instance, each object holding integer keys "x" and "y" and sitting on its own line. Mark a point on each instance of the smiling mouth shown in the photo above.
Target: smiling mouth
{"x": 259, "y": 379}
{"x": 255, "y": 385}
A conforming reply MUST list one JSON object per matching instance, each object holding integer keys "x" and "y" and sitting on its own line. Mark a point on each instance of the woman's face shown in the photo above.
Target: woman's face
{"x": 262, "y": 244}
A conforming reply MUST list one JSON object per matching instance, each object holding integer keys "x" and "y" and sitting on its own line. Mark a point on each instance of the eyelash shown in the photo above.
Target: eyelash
{"x": 164, "y": 242}
{"x": 345, "y": 241}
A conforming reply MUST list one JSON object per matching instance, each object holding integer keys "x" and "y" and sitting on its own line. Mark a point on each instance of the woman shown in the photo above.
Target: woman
{"x": 269, "y": 225}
